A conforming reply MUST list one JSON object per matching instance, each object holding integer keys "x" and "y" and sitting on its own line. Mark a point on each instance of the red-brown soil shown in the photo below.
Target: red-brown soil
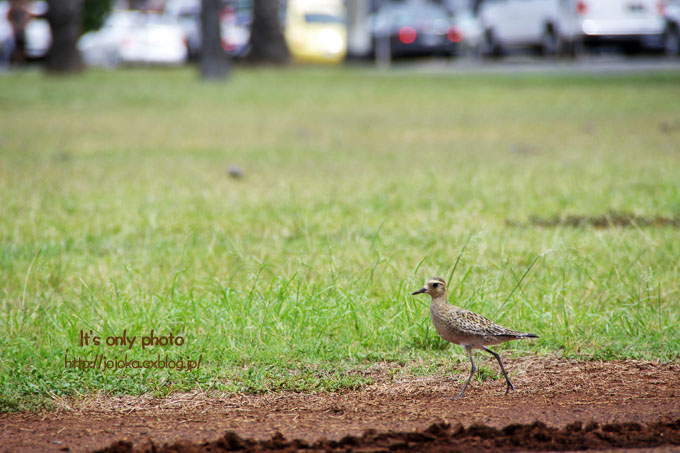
{"x": 440, "y": 437}
{"x": 633, "y": 404}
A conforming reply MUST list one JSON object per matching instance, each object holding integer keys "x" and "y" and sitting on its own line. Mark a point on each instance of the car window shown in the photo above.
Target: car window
{"x": 159, "y": 19}
{"x": 323, "y": 18}
{"x": 402, "y": 18}
{"x": 118, "y": 20}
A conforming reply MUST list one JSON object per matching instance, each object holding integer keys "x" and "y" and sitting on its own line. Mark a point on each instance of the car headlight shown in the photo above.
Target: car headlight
{"x": 589, "y": 27}
{"x": 331, "y": 41}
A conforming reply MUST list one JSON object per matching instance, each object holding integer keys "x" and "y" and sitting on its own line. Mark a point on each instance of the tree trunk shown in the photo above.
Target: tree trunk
{"x": 267, "y": 44}
{"x": 214, "y": 62}
{"x": 64, "y": 18}
{"x": 137, "y": 4}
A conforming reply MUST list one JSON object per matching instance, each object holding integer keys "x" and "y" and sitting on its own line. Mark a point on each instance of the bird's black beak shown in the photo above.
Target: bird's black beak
{"x": 420, "y": 291}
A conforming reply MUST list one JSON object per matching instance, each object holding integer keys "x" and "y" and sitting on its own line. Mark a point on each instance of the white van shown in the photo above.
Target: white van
{"x": 554, "y": 26}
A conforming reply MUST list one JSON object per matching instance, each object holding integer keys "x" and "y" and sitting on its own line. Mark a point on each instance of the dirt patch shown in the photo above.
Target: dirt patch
{"x": 612, "y": 219}
{"x": 556, "y": 393}
{"x": 441, "y": 437}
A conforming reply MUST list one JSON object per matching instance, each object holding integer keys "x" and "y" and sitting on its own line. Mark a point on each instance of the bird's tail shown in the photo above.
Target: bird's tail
{"x": 514, "y": 335}
{"x": 518, "y": 335}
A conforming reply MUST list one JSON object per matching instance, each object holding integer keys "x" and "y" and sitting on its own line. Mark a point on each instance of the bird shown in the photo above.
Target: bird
{"x": 467, "y": 328}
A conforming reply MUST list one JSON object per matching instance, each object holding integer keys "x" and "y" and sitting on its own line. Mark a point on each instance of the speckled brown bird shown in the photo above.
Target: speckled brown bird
{"x": 466, "y": 328}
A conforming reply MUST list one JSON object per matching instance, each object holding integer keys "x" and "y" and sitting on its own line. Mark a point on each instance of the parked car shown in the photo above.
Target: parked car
{"x": 235, "y": 30}
{"x": 471, "y": 31}
{"x": 235, "y": 22}
{"x": 6, "y": 39}
{"x": 315, "y": 30}
{"x": 672, "y": 34}
{"x": 38, "y": 34}
{"x": 554, "y": 26}
{"x": 135, "y": 37}
{"x": 415, "y": 28}
{"x": 187, "y": 13}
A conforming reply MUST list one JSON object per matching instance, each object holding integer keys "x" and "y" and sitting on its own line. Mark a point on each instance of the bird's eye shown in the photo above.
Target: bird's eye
{"x": 435, "y": 285}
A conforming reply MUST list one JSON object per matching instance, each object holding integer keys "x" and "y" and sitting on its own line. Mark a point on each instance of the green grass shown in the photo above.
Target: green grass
{"x": 116, "y": 213}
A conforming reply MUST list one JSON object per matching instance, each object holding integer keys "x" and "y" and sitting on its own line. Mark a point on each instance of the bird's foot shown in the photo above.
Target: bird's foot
{"x": 509, "y": 387}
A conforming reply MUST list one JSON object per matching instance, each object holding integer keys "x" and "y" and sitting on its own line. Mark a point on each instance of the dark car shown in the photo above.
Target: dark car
{"x": 415, "y": 29}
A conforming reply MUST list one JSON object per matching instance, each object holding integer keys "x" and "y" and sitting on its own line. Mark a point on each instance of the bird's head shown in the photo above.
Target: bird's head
{"x": 435, "y": 287}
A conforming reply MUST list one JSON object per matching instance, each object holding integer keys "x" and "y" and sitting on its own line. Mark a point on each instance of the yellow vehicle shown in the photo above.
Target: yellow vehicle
{"x": 316, "y": 31}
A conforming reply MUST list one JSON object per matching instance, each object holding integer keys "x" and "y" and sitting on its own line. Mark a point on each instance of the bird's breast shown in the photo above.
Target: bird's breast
{"x": 445, "y": 326}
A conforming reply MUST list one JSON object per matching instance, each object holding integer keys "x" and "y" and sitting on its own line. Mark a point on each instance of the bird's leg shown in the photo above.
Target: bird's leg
{"x": 500, "y": 362}
{"x": 472, "y": 371}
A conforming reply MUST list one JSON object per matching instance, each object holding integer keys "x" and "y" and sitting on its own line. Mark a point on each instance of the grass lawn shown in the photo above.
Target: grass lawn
{"x": 117, "y": 215}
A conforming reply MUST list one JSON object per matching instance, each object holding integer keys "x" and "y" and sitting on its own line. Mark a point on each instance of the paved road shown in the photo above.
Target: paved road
{"x": 595, "y": 64}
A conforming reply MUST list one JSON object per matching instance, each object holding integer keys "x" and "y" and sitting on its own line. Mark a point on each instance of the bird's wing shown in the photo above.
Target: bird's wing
{"x": 475, "y": 322}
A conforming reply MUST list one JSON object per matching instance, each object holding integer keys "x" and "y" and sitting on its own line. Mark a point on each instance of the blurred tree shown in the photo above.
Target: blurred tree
{"x": 68, "y": 19}
{"x": 94, "y": 14}
{"x": 137, "y": 4}
{"x": 267, "y": 44}
{"x": 214, "y": 62}
{"x": 64, "y": 17}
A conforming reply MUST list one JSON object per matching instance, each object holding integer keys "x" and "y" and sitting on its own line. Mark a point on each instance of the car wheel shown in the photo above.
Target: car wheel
{"x": 631, "y": 49}
{"x": 671, "y": 41}
{"x": 491, "y": 46}
{"x": 474, "y": 51}
{"x": 575, "y": 47}
{"x": 570, "y": 47}
{"x": 549, "y": 43}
